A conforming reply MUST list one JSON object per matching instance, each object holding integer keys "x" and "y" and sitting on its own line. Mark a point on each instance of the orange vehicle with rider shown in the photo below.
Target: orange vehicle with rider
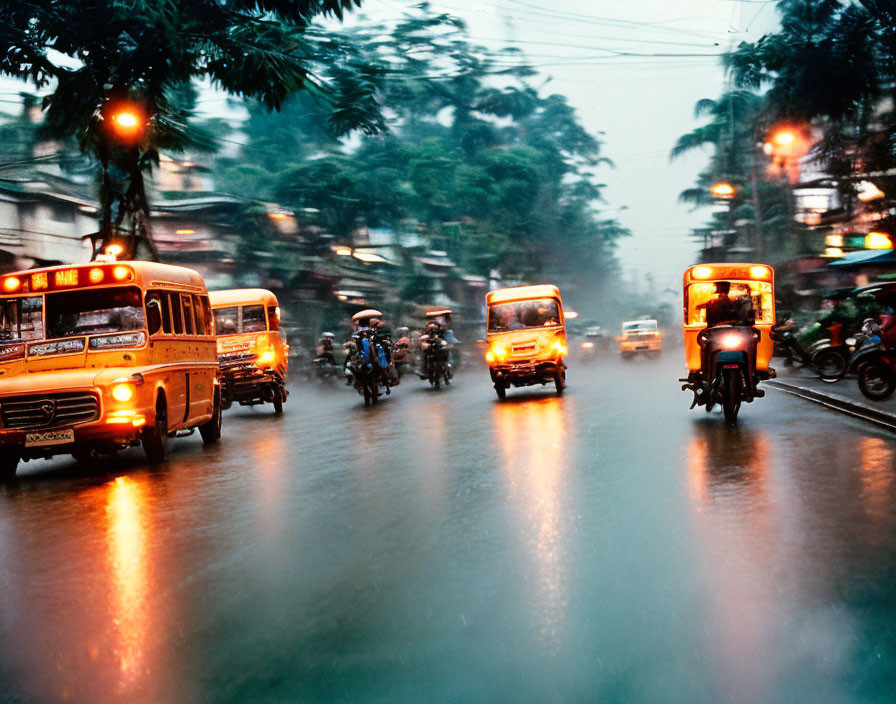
{"x": 729, "y": 312}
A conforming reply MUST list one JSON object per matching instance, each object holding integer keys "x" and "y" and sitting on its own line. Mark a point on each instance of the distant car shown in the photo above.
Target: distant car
{"x": 595, "y": 341}
{"x": 640, "y": 337}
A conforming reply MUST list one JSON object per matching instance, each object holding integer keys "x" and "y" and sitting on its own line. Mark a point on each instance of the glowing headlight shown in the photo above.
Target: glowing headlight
{"x": 496, "y": 354}
{"x": 732, "y": 342}
{"x": 560, "y": 348}
{"x": 267, "y": 357}
{"x": 123, "y": 392}
{"x": 587, "y": 345}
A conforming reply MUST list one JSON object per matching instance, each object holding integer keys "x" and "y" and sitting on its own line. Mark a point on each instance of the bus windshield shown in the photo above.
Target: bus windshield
{"x": 21, "y": 319}
{"x": 93, "y": 312}
{"x": 240, "y": 319}
{"x": 518, "y": 315}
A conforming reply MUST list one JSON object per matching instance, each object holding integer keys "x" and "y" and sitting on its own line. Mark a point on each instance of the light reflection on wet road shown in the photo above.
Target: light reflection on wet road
{"x": 609, "y": 545}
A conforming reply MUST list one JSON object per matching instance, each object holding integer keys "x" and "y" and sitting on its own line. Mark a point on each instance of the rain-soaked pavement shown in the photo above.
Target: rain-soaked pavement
{"x": 606, "y": 546}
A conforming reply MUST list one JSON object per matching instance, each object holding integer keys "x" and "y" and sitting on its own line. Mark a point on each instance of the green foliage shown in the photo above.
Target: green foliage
{"x": 496, "y": 172}
{"x": 149, "y": 52}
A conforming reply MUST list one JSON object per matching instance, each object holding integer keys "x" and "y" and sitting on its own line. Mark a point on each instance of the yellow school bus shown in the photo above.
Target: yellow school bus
{"x": 252, "y": 354}
{"x": 97, "y": 357}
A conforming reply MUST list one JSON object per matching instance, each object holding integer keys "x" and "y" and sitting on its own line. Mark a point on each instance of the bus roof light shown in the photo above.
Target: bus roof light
{"x": 11, "y": 283}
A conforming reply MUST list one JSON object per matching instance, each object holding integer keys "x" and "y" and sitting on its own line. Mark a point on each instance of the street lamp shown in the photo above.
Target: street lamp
{"x": 723, "y": 190}
{"x": 125, "y": 121}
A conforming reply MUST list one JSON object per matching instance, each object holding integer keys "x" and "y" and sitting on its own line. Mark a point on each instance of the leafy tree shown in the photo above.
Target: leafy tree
{"x": 146, "y": 52}
{"x": 496, "y": 172}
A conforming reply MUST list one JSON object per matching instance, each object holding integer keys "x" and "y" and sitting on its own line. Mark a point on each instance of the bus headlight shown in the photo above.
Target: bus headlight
{"x": 560, "y": 348}
{"x": 123, "y": 392}
{"x": 267, "y": 357}
{"x": 496, "y": 353}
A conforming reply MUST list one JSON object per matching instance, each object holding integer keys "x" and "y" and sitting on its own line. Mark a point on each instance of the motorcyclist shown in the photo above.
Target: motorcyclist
{"x": 401, "y": 350}
{"x": 431, "y": 339}
{"x": 324, "y": 349}
{"x": 723, "y": 310}
{"x": 372, "y": 329}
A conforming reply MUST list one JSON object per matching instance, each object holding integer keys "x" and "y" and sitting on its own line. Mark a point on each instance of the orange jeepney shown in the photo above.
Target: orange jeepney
{"x": 526, "y": 336}
{"x": 97, "y": 357}
{"x": 251, "y": 351}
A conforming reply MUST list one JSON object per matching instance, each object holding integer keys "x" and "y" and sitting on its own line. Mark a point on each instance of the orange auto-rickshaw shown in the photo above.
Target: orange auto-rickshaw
{"x": 729, "y": 311}
{"x": 526, "y": 337}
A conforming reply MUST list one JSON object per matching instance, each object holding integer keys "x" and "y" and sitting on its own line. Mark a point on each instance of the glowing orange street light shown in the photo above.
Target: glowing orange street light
{"x": 125, "y": 121}
{"x": 723, "y": 190}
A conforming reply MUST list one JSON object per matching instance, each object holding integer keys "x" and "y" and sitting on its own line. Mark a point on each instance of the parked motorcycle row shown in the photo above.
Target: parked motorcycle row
{"x": 864, "y": 349}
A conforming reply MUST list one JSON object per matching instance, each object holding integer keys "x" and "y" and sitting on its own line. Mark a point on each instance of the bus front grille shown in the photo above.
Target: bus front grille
{"x": 48, "y": 410}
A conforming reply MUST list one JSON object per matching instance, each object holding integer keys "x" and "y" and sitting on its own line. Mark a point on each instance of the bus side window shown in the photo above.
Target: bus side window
{"x": 158, "y": 319}
{"x": 189, "y": 320}
{"x": 178, "y": 323}
{"x": 199, "y": 316}
{"x": 273, "y": 318}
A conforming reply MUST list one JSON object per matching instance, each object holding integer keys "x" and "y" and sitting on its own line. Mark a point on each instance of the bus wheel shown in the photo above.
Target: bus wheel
{"x": 211, "y": 429}
{"x": 278, "y": 399}
{"x": 559, "y": 382}
{"x": 9, "y": 461}
{"x": 501, "y": 390}
{"x": 155, "y": 436}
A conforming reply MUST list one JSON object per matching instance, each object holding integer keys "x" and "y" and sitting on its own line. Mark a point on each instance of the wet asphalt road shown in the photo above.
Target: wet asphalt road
{"x": 610, "y": 545}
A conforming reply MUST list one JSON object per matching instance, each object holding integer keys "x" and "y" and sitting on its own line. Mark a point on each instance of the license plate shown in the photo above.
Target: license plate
{"x": 50, "y": 437}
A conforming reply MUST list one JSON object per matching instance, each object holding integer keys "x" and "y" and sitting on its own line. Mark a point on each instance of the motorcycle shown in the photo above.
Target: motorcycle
{"x": 436, "y": 366}
{"x": 729, "y": 368}
{"x": 368, "y": 368}
{"x": 835, "y": 361}
{"x": 788, "y": 345}
{"x": 324, "y": 368}
{"x": 825, "y": 357}
{"x": 875, "y": 365}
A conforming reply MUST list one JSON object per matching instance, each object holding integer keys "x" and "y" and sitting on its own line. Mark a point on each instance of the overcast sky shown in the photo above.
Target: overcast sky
{"x": 641, "y": 104}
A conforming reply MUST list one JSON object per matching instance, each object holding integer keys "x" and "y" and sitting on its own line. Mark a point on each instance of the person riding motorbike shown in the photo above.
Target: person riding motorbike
{"x": 434, "y": 349}
{"x": 380, "y": 344}
{"x": 723, "y": 310}
{"x": 401, "y": 351}
{"x": 324, "y": 349}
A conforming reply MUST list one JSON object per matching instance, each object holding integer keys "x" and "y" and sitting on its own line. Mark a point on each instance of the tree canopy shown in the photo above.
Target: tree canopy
{"x": 499, "y": 174}
{"x": 149, "y": 52}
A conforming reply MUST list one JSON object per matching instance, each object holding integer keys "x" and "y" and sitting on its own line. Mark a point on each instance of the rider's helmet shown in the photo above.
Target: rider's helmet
{"x": 327, "y": 335}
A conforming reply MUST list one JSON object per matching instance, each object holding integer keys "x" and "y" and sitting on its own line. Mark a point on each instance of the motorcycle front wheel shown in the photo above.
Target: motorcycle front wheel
{"x": 876, "y": 381}
{"x": 731, "y": 395}
{"x": 830, "y": 365}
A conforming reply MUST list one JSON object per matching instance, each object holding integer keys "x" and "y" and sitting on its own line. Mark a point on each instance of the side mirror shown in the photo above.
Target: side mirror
{"x": 153, "y": 316}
